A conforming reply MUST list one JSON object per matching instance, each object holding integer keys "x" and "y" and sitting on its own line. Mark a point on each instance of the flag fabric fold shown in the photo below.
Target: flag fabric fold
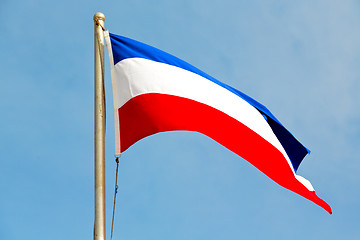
{"x": 157, "y": 92}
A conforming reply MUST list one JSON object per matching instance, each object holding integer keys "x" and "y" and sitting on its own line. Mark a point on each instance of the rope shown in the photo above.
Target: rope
{"x": 98, "y": 23}
{"x": 116, "y": 190}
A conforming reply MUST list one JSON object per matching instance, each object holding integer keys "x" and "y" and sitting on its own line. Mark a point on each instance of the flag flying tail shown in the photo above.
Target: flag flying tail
{"x": 157, "y": 92}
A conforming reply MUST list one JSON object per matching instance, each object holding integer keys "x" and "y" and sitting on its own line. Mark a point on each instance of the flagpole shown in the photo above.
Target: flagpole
{"x": 99, "y": 139}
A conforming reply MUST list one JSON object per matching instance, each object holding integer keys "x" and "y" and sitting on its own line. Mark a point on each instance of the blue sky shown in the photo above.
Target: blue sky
{"x": 299, "y": 58}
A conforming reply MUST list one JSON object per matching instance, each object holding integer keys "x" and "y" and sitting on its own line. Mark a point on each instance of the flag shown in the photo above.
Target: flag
{"x": 156, "y": 92}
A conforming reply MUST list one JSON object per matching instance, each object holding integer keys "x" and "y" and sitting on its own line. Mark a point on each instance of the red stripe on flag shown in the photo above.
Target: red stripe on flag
{"x": 148, "y": 114}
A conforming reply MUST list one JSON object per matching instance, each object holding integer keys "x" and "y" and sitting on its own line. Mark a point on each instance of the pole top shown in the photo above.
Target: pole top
{"x": 99, "y": 17}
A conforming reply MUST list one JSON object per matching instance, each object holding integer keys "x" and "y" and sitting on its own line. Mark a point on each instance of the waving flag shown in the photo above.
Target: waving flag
{"x": 157, "y": 92}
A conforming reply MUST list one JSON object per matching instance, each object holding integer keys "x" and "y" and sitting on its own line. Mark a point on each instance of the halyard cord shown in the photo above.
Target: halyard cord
{"x": 116, "y": 188}
{"x": 98, "y": 23}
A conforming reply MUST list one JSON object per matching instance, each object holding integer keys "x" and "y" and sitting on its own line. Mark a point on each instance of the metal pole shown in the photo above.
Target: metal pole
{"x": 99, "y": 226}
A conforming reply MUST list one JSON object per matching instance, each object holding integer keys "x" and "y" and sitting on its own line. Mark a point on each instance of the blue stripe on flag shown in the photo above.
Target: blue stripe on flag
{"x": 124, "y": 48}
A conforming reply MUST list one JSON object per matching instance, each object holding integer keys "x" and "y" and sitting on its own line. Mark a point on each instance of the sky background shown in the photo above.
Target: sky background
{"x": 299, "y": 58}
